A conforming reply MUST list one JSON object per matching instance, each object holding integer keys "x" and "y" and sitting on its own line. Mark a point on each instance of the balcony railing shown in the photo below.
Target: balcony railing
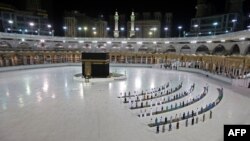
{"x": 229, "y": 36}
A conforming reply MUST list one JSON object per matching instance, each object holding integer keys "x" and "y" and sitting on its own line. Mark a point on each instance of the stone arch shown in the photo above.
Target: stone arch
{"x": 36, "y": 59}
{"x": 143, "y": 48}
{"x": 170, "y": 49}
{"x": 235, "y": 49}
{"x": 101, "y": 47}
{"x": 87, "y": 46}
{"x": 185, "y": 49}
{"x": 159, "y": 49}
{"x": 23, "y": 45}
{"x": 41, "y": 45}
{"x": 247, "y": 52}
{"x": 5, "y": 44}
{"x": 48, "y": 58}
{"x": 115, "y": 47}
{"x": 220, "y": 50}
{"x": 129, "y": 47}
{"x": 28, "y": 60}
{"x": 58, "y": 45}
{"x": 202, "y": 50}
{"x": 20, "y": 59}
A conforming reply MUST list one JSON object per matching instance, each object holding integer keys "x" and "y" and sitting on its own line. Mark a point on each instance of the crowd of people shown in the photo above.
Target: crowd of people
{"x": 187, "y": 117}
{"x": 153, "y": 90}
{"x": 191, "y": 119}
{"x": 158, "y": 102}
{"x": 149, "y": 95}
{"x": 176, "y": 106}
{"x": 157, "y": 98}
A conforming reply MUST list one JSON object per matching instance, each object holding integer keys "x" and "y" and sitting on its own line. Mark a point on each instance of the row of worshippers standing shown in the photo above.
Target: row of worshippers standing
{"x": 193, "y": 120}
{"x": 153, "y": 90}
{"x": 157, "y": 101}
{"x": 151, "y": 95}
{"x": 171, "y": 107}
{"x": 136, "y": 93}
{"x": 146, "y": 95}
{"x": 184, "y": 116}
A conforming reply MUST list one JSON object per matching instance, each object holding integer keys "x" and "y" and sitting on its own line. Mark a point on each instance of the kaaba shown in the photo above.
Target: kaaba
{"x": 95, "y": 65}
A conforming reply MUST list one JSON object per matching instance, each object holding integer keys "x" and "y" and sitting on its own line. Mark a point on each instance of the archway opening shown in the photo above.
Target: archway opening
{"x": 202, "y": 50}
{"x": 219, "y": 50}
{"x": 185, "y": 49}
{"x": 170, "y": 49}
{"x": 235, "y": 50}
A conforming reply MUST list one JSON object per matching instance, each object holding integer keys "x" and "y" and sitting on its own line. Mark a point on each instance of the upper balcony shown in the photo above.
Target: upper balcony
{"x": 233, "y": 36}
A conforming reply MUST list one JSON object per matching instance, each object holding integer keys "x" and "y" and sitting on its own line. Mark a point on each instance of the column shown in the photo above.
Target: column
{"x": 233, "y": 71}
{"x": 31, "y": 60}
{"x": 43, "y": 59}
{"x": 240, "y": 71}
{"x": 219, "y": 68}
{"x": 24, "y": 60}
{"x": 6, "y": 61}
{"x": 55, "y": 59}
{"x": 1, "y": 62}
{"x": 12, "y": 61}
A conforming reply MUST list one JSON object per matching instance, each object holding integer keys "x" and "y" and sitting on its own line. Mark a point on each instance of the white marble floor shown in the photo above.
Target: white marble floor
{"x": 48, "y": 104}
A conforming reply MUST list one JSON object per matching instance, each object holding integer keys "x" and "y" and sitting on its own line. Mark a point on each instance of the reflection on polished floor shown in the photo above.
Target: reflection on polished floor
{"x": 48, "y": 104}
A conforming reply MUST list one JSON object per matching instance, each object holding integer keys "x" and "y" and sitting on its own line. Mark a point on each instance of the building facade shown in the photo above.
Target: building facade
{"x": 167, "y": 26}
{"x": 152, "y": 25}
{"x": 207, "y": 23}
{"x": 147, "y": 25}
{"x": 227, "y": 54}
{"x": 207, "y": 26}
{"x": 146, "y": 28}
{"x": 70, "y": 23}
{"x": 81, "y": 25}
{"x": 16, "y": 21}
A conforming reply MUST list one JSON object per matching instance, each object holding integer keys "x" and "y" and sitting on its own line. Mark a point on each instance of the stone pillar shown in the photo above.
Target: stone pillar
{"x": 1, "y": 62}
{"x": 224, "y": 70}
{"x": 31, "y": 60}
{"x": 24, "y": 60}
{"x": 116, "y": 31}
{"x": 56, "y": 59}
{"x": 43, "y": 59}
{"x": 219, "y": 68}
{"x": 6, "y": 61}
{"x": 233, "y": 71}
